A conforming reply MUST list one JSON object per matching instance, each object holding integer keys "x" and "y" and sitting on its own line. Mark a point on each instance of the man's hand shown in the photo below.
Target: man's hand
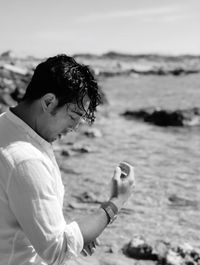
{"x": 89, "y": 248}
{"x": 122, "y": 188}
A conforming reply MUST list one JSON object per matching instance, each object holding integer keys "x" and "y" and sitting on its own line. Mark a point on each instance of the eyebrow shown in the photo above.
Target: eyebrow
{"x": 78, "y": 113}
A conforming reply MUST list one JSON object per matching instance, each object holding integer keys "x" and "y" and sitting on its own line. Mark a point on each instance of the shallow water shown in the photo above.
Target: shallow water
{"x": 166, "y": 201}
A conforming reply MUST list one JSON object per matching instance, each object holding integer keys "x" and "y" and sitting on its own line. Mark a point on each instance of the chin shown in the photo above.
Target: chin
{"x": 51, "y": 140}
{"x": 58, "y": 137}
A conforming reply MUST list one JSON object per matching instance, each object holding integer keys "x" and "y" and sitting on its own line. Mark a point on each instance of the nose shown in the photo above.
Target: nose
{"x": 77, "y": 125}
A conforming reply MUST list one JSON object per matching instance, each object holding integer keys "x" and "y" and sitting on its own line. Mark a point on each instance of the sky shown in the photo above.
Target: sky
{"x": 48, "y": 27}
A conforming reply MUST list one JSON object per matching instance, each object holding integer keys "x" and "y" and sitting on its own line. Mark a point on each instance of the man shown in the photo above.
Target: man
{"x": 32, "y": 226}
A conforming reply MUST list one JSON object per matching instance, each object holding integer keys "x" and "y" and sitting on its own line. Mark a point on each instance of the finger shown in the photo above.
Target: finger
{"x": 117, "y": 173}
{"x": 116, "y": 177}
{"x": 90, "y": 249}
{"x": 116, "y": 182}
{"x": 84, "y": 252}
{"x": 97, "y": 242}
{"x": 93, "y": 244}
{"x": 131, "y": 178}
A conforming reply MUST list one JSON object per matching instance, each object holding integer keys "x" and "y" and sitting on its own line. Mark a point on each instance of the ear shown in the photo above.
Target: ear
{"x": 49, "y": 102}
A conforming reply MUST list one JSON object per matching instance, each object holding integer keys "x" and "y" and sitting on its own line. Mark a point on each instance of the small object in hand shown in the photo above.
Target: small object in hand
{"x": 125, "y": 169}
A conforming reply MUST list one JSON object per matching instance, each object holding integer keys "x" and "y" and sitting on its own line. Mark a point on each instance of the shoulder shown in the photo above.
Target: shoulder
{"x": 18, "y": 151}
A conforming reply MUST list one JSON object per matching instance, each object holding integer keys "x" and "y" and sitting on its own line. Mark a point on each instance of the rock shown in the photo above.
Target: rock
{"x": 138, "y": 248}
{"x": 162, "y": 252}
{"x": 161, "y": 249}
{"x": 13, "y": 82}
{"x": 113, "y": 64}
{"x": 15, "y": 69}
{"x": 182, "y": 202}
{"x": 113, "y": 248}
{"x": 62, "y": 149}
{"x": 173, "y": 258}
{"x": 181, "y": 71}
{"x": 6, "y": 54}
{"x": 88, "y": 197}
{"x": 183, "y": 254}
{"x": 7, "y": 84}
{"x": 72, "y": 149}
{"x": 189, "y": 253}
{"x": 187, "y": 117}
{"x": 79, "y": 148}
{"x": 66, "y": 152}
{"x": 92, "y": 132}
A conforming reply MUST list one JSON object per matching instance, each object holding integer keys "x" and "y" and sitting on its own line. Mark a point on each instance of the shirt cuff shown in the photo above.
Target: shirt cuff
{"x": 74, "y": 240}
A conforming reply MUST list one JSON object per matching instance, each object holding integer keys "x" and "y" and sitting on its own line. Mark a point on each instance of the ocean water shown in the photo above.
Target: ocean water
{"x": 166, "y": 201}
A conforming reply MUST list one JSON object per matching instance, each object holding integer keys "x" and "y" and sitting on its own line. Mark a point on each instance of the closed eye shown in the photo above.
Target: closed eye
{"x": 71, "y": 117}
{"x": 78, "y": 113}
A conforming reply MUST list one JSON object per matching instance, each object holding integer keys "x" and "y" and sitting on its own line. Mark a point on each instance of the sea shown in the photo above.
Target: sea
{"x": 165, "y": 204}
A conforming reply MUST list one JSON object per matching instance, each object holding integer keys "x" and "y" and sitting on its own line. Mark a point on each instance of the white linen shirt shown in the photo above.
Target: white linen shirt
{"x": 32, "y": 226}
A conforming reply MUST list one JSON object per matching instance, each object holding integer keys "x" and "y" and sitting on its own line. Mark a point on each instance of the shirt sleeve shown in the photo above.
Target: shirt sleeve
{"x": 32, "y": 198}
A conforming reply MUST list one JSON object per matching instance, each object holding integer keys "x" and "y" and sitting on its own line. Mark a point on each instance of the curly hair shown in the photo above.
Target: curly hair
{"x": 68, "y": 80}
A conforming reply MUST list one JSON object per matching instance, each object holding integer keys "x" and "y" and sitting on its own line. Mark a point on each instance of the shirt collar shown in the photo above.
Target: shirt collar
{"x": 24, "y": 126}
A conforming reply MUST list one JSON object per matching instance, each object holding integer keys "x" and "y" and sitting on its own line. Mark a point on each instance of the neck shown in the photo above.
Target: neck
{"x": 26, "y": 113}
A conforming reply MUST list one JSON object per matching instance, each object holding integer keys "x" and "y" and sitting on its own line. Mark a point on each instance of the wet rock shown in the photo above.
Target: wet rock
{"x": 115, "y": 64}
{"x": 113, "y": 248}
{"x": 92, "y": 132}
{"x": 7, "y": 84}
{"x": 162, "y": 252}
{"x": 66, "y": 152}
{"x": 187, "y": 117}
{"x": 6, "y": 54}
{"x": 173, "y": 258}
{"x": 13, "y": 82}
{"x": 189, "y": 253}
{"x": 183, "y": 254}
{"x": 88, "y": 197}
{"x": 181, "y": 202}
{"x": 62, "y": 149}
{"x": 181, "y": 71}
{"x": 82, "y": 149}
{"x": 138, "y": 248}
{"x": 161, "y": 249}
{"x": 15, "y": 69}
{"x": 73, "y": 149}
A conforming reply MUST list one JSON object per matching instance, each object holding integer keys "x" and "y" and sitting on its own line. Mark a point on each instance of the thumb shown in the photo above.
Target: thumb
{"x": 97, "y": 242}
{"x": 117, "y": 174}
{"x": 115, "y": 182}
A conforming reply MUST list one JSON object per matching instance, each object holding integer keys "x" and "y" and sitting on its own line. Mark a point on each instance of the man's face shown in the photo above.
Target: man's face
{"x": 63, "y": 120}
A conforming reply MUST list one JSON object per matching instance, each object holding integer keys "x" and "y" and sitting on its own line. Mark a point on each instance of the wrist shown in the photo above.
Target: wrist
{"x": 111, "y": 210}
{"x": 119, "y": 203}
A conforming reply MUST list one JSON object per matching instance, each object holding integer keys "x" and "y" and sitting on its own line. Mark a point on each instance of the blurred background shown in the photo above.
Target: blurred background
{"x": 43, "y": 28}
{"x": 146, "y": 58}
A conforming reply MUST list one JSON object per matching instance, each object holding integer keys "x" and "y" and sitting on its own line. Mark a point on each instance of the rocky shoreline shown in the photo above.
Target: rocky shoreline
{"x": 16, "y": 72}
{"x": 165, "y": 118}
